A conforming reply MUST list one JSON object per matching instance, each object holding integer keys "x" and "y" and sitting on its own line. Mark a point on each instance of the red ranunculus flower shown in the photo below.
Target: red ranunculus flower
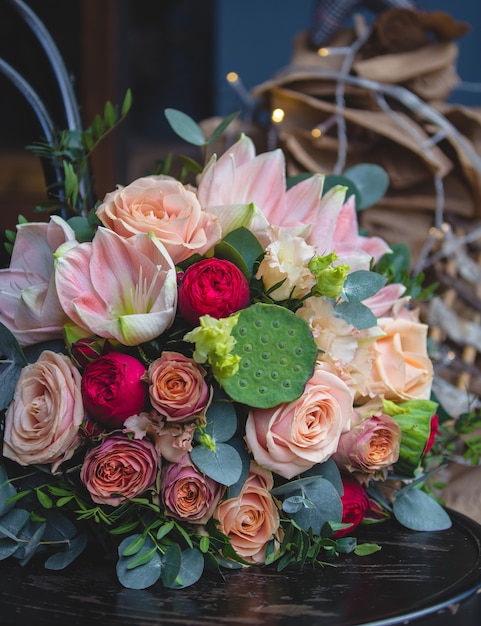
{"x": 212, "y": 287}
{"x": 355, "y": 504}
{"x": 112, "y": 388}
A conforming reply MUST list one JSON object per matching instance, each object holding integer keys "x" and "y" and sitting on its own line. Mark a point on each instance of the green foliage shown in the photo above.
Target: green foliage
{"x": 70, "y": 154}
{"x": 359, "y": 286}
{"x": 417, "y": 510}
{"x": 12, "y": 361}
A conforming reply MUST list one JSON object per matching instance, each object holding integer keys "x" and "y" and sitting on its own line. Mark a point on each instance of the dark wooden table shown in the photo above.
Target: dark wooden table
{"x": 428, "y": 579}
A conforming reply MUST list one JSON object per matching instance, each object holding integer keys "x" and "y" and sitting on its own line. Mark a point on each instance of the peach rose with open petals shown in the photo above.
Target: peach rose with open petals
{"x": 402, "y": 369}
{"x": 251, "y": 520}
{"x": 43, "y": 420}
{"x": 292, "y": 437}
{"x": 177, "y": 388}
{"x": 163, "y": 206}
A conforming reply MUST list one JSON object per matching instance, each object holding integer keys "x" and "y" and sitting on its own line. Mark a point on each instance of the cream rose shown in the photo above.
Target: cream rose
{"x": 42, "y": 422}
{"x": 402, "y": 369}
{"x": 290, "y": 438}
{"x": 163, "y": 206}
{"x": 251, "y": 520}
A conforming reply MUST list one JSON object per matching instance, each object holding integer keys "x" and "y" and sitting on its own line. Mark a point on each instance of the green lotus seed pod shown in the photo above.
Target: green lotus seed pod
{"x": 277, "y": 352}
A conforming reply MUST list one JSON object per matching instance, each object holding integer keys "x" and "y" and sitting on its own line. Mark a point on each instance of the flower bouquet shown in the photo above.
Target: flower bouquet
{"x": 211, "y": 375}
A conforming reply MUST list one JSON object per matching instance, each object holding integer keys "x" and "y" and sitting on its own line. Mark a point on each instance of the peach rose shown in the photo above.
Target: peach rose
{"x": 119, "y": 468}
{"x": 188, "y": 494}
{"x": 43, "y": 420}
{"x": 177, "y": 388}
{"x": 290, "y": 438}
{"x": 402, "y": 369}
{"x": 251, "y": 520}
{"x": 163, "y": 206}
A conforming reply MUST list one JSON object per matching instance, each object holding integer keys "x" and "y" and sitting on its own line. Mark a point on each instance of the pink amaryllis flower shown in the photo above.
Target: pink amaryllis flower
{"x": 29, "y": 306}
{"x": 118, "y": 288}
{"x": 240, "y": 179}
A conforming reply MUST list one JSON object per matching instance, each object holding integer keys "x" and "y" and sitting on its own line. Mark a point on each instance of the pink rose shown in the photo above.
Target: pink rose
{"x": 355, "y": 504}
{"x": 251, "y": 520}
{"x": 119, "y": 469}
{"x": 112, "y": 388}
{"x": 290, "y": 438}
{"x": 187, "y": 494}
{"x": 177, "y": 387}
{"x": 163, "y": 206}
{"x": 212, "y": 287}
{"x": 42, "y": 422}
{"x": 402, "y": 369}
{"x": 29, "y": 305}
{"x": 372, "y": 443}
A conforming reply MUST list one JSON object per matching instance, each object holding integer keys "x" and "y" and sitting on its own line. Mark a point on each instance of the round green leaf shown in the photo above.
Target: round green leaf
{"x": 7, "y": 490}
{"x": 326, "y": 506}
{"x": 221, "y": 420}
{"x": 144, "y": 575}
{"x": 371, "y": 181}
{"x": 191, "y": 569}
{"x": 171, "y": 563}
{"x": 60, "y": 560}
{"x": 416, "y": 510}
{"x": 223, "y": 464}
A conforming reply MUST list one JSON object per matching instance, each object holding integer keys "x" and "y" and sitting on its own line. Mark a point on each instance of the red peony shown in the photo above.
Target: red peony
{"x": 212, "y": 287}
{"x": 112, "y": 388}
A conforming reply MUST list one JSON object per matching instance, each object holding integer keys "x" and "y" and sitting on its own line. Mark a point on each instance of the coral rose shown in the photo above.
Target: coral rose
{"x": 214, "y": 287}
{"x": 402, "y": 369}
{"x": 177, "y": 388}
{"x": 113, "y": 389}
{"x": 163, "y": 206}
{"x": 119, "y": 468}
{"x": 187, "y": 494}
{"x": 251, "y": 520}
{"x": 290, "y": 438}
{"x": 43, "y": 420}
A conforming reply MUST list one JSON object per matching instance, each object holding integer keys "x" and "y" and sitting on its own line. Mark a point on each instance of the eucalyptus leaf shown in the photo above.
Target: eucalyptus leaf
{"x": 7, "y": 548}
{"x": 184, "y": 126}
{"x": 221, "y": 127}
{"x": 59, "y": 527}
{"x": 10, "y": 366}
{"x": 171, "y": 563}
{"x": 223, "y": 464}
{"x": 361, "y": 285}
{"x": 416, "y": 510}
{"x": 60, "y": 560}
{"x": 328, "y": 470}
{"x": 191, "y": 569}
{"x": 326, "y": 506}
{"x": 294, "y": 504}
{"x": 30, "y": 548}
{"x": 7, "y": 491}
{"x": 239, "y": 445}
{"x": 356, "y": 313}
{"x": 371, "y": 181}
{"x": 346, "y": 545}
{"x": 142, "y": 576}
{"x": 221, "y": 421}
{"x": 13, "y": 522}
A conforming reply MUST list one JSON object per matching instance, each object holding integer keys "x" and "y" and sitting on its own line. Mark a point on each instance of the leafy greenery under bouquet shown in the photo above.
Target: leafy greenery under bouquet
{"x": 210, "y": 375}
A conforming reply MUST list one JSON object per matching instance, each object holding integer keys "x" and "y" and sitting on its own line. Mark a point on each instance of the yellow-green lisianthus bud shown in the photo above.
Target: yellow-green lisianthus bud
{"x": 329, "y": 278}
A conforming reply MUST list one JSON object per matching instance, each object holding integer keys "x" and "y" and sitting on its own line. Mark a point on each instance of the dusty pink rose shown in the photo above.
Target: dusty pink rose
{"x": 372, "y": 443}
{"x": 119, "y": 468}
{"x": 251, "y": 520}
{"x": 214, "y": 287}
{"x": 290, "y": 438}
{"x": 177, "y": 388}
{"x": 163, "y": 206}
{"x": 29, "y": 305}
{"x": 113, "y": 389}
{"x": 187, "y": 494}
{"x": 402, "y": 369}
{"x": 42, "y": 422}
